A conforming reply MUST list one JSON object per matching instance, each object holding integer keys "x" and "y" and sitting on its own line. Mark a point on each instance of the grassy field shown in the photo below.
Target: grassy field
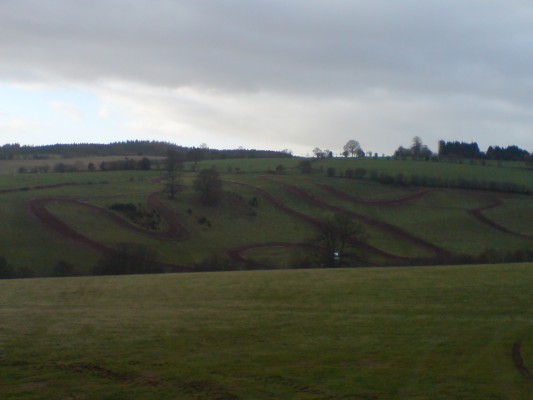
{"x": 377, "y": 333}
{"x": 287, "y": 211}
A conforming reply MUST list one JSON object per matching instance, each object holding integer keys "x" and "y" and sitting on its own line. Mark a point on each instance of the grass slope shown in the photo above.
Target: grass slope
{"x": 411, "y": 333}
{"x": 288, "y": 207}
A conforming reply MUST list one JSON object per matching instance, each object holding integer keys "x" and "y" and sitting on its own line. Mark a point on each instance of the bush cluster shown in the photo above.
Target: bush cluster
{"x": 148, "y": 219}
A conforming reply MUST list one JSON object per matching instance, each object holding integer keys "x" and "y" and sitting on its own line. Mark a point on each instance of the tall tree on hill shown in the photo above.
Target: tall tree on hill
{"x": 208, "y": 187}
{"x": 318, "y": 152}
{"x": 419, "y": 151}
{"x": 335, "y": 234}
{"x": 352, "y": 147}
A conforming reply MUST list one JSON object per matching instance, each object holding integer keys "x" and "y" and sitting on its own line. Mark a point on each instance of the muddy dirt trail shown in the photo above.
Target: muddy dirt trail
{"x": 476, "y": 212}
{"x": 38, "y": 207}
{"x": 439, "y": 251}
{"x": 494, "y": 203}
{"x": 519, "y": 362}
{"x": 316, "y": 222}
{"x": 389, "y": 202}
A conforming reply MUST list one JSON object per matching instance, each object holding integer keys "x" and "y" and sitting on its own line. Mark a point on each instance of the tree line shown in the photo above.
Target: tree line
{"x": 471, "y": 151}
{"x": 131, "y": 148}
{"x": 447, "y": 150}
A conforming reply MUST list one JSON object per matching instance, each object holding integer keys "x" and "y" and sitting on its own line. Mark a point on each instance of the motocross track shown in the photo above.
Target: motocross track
{"x": 235, "y": 254}
{"x": 475, "y": 212}
{"x": 439, "y": 251}
{"x": 175, "y": 230}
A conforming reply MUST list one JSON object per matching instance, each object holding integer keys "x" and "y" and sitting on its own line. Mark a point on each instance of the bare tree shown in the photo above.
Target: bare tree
{"x": 318, "y": 152}
{"x": 352, "y": 146}
{"x": 335, "y": 235}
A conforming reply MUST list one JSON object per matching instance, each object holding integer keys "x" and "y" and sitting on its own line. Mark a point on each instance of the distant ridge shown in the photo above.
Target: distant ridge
{"x": 130, "y": 148}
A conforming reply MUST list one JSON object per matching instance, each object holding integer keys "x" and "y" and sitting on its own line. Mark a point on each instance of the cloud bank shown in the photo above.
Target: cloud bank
{"x": 291, "y": 73}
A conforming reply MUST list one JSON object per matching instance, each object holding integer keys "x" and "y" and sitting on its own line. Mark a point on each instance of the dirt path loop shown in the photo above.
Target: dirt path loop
{"x": 439, "y": 251}
{"x": 392, "y": 202}
{"x": 519, "y": 362}
{"x": 176, "y": 230}
{"x": 494, "y": 203}
{"x": 313, "y": 221}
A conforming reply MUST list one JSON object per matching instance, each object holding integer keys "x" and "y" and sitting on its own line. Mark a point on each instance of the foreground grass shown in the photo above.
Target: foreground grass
{"x": 417, "y": 333}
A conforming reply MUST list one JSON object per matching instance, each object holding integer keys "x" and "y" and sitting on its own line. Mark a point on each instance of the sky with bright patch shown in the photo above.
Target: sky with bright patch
{"x": 267, "y": 74}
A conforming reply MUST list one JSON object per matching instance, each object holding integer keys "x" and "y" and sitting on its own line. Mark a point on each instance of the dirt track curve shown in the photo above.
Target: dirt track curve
{"x": 494, "y": 203}
{"x": 311, "y": 220}
{"x": 175, "y": 230}
{"x": 439, "y": 251}
{"x": 476, "y": 212}
{"x": 390, "y": 202}
{"x": 519, "y": 362}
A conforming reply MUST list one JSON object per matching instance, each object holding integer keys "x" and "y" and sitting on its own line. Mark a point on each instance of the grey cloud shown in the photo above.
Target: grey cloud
{"x": 445, "y": 64}
{"x": 334, "y": 47}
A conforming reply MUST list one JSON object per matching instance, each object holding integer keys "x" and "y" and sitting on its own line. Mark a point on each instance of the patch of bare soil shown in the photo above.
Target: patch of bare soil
{"x": 519, "y": 362}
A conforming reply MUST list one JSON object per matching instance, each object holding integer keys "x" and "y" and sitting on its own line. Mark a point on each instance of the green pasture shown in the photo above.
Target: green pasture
{"x": 376, "y": 333}
{"x": 440, "y": 217}
{"x": 515, "y": 172}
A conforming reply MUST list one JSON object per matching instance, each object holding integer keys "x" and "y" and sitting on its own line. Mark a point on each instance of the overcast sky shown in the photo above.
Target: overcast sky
{"x": 270, "y": 74}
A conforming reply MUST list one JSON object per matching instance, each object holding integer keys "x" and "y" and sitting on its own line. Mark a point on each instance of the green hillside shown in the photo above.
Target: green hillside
{"x": 269, "y": 215}
{"x": 372, "y": 333}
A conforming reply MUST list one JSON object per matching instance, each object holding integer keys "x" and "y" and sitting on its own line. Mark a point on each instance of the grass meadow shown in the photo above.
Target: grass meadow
{"x": 371, "y": 333}
{"x": 287, "y": 209}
